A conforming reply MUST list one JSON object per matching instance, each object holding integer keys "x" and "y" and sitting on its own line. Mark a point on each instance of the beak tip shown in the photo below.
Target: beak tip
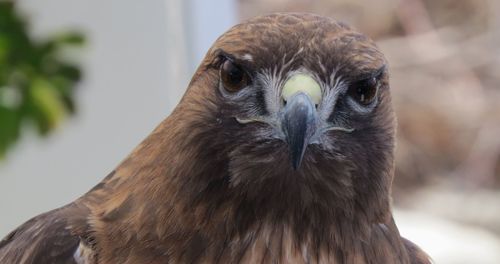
{"x": 297, "y": 155}
{"x": 296, "y": 165}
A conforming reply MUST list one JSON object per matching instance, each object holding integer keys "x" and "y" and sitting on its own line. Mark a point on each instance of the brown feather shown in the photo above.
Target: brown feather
{"x": 203, "y": 188}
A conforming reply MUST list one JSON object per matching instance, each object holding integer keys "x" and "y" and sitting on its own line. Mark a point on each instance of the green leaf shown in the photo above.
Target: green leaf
{"x": 71, "y": 38}
{"x": 9, "y": 128}
{"x": 50, "y": 109}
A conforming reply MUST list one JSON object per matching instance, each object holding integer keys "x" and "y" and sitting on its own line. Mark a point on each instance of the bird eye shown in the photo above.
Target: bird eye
{"x": 233, "y": 77}
{"x": 365, "y": 91}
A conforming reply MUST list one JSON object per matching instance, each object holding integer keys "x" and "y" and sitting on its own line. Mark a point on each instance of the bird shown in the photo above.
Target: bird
{"x": 280, "y": 151}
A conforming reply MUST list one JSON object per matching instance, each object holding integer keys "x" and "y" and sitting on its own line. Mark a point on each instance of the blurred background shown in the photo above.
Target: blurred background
{"x": 83, "y": 82}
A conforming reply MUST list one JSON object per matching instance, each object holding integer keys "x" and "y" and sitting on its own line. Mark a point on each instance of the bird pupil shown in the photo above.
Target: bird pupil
{"x": 235, "y": 74}
{"x": 364, "y": 91}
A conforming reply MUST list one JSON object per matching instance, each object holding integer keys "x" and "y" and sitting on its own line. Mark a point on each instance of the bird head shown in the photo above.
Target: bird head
{"x": 297, "y": 103}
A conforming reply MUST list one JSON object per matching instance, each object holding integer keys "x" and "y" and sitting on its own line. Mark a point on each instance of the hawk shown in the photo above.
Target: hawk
{"x": 280, "y": 151}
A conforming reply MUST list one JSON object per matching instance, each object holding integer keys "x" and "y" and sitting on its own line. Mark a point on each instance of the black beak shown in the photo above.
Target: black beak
{"x": 298, "y": 123}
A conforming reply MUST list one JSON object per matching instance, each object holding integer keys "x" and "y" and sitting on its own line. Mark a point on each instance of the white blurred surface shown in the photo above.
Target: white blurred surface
{"x": 448, "y": 242}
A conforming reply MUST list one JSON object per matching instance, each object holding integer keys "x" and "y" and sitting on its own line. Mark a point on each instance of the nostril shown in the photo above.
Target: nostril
{"x": 283, "y": 102}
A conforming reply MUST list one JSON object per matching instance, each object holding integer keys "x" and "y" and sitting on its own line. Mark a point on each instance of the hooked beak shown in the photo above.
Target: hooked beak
{"x": 298, "y": 123}
{"x": 301, "y": 93}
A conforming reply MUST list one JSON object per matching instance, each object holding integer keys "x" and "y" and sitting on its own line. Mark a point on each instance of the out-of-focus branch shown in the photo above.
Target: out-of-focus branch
{"x": 36, "y": 83}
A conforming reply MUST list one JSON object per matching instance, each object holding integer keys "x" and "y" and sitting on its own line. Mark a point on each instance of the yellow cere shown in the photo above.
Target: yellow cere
{"x": 302, "y": 83}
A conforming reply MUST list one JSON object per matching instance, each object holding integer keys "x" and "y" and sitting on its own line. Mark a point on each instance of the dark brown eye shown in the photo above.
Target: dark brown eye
{"x": 233, "y": 77}
{"x": 365, "y": 91}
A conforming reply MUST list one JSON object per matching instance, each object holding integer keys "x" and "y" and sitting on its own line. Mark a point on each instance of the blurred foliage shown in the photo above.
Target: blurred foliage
{"x": 36, "y": 84}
